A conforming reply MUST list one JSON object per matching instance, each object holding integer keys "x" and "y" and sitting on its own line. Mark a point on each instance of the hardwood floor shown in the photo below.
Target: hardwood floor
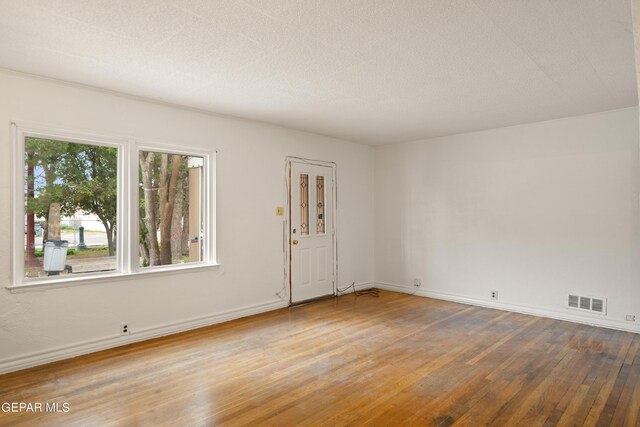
{"x": 393, "y": 360}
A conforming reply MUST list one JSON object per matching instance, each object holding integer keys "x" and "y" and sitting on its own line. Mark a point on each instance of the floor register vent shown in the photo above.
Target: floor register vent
{"x": 593, "y": 304}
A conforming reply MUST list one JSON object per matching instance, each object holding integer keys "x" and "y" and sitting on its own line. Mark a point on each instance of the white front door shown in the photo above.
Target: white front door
{"x": 311, "y": 230}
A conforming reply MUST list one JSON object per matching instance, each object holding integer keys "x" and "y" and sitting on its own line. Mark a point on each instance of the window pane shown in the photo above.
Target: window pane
{"x": 71, "y": 193}
{"x": 320, "y": 204}
{"x": 171, "y": 230}
{"x": 304, "y": 205}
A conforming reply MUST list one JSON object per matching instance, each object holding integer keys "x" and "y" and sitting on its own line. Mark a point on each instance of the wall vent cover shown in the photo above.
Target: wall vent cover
{"x": 587, "y": 303}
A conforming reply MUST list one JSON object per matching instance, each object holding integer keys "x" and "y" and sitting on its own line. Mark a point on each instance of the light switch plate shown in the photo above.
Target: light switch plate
{"x": 279, "y": 211}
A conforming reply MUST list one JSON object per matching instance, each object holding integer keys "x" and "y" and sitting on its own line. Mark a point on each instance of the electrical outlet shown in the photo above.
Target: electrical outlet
{"x": 493, "y": 294}
{"x": 630, "y": 318}
{"x": 124, "y": 328}
{"x": 417, "y": 282}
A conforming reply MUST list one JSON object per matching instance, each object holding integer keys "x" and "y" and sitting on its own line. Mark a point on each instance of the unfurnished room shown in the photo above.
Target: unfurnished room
{"x": 319, "y": 213}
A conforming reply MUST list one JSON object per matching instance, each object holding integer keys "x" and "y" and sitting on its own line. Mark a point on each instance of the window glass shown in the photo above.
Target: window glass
{"x": 170, "y": 208}
{"x": 304, "y": 205}
{"x": 71, "y": 194}
{"x": 320, "y": 205}
{"x": 73, "y": 203}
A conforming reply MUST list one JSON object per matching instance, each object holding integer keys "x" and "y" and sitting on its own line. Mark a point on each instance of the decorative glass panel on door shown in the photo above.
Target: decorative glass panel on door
{"x": 320, "y": 228}
{"x": 304, "y": 205}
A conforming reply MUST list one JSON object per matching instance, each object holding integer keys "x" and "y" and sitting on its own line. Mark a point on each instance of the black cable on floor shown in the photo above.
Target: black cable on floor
{"x": 373, "y": 292}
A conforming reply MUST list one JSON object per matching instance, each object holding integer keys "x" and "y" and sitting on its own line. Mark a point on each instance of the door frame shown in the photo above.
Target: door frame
{"x": 287, "y": 221}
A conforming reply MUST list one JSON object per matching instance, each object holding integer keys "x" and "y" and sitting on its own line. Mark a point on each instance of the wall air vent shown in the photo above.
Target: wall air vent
{"x": 574, "y": 301}
{"x": 584, "y": 303}
{"x": 597, "y": 305}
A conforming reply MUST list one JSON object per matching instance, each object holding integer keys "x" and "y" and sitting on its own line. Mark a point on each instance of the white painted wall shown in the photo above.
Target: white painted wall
{"x": 250, "y": 176}
{"x": 635, "y": 10}
{"x": 533, "y": 211}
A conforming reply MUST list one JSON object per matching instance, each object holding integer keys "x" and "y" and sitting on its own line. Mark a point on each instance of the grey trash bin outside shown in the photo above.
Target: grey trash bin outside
{"x": 55, "y": 255}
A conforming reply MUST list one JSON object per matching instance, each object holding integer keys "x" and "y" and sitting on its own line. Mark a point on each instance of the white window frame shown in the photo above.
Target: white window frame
{"x": 208, "y": 206}
{"x": 127, "y": 241}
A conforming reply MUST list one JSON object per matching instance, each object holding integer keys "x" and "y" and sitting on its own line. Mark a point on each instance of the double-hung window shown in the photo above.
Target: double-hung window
{"x": 90, "y": 207}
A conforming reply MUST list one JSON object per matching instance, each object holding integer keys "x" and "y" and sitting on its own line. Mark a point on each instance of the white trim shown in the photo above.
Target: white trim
{"x": 167, "y": 148}
{"x": 14, "y": 149}
{"x": 127, "y": 204}
{"x": 210, "y": 211}
{"x": 535, "y": 311}
{"x": 73, "y": 135}
{"x": 208, "y": 195}
{"x": 28, "y": 360}
{"x": 132, "y": 239}
{"x": 21, "y": 131}
{"x": 94, "y": 278}
{"x": 123, "y": 225}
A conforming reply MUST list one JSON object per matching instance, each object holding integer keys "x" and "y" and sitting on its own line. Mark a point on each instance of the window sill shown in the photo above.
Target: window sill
{"x": 114, "y": 277}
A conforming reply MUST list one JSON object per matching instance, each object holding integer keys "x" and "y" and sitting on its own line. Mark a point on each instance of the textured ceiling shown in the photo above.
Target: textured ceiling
{"x": 373, "y": 71}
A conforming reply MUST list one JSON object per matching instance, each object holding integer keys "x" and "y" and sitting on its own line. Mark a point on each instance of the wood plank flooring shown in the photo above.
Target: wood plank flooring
{"x": 388, "y": 361}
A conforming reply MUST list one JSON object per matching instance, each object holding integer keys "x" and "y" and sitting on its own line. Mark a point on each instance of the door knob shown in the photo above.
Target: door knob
{"x": 295, "y": 242}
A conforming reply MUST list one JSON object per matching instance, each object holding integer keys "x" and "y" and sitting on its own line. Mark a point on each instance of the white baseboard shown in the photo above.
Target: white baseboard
{"x": 535, "y": 311}
{"x": 65, "y": 352}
